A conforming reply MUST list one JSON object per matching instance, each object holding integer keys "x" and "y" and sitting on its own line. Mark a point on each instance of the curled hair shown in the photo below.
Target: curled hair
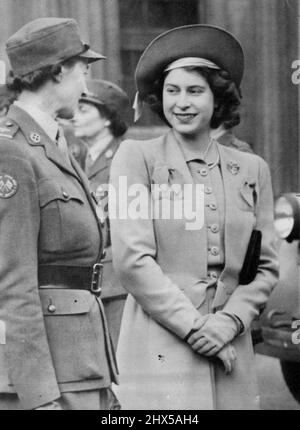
{"x": 117, "y": 126}
{"x": 34, "y": 80}
{"x": 226, "y": 97}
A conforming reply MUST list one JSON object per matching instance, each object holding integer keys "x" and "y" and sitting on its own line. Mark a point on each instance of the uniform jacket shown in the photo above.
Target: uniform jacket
{"x": 47, "y": 217}
{"x": 161, "y": 264}
{"x": 99, "y": 178}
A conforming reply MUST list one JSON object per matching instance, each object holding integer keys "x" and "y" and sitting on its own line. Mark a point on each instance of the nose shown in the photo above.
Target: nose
{"x": 84, "y": 87}
{"x": 183, "y": 101}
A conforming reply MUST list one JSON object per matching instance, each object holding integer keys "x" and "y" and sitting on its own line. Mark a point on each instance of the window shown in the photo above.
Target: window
{"x": 141, "y": 21}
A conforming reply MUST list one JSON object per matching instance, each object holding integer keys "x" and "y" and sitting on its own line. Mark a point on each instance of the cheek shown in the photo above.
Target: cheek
{"x": 167, "y": 104}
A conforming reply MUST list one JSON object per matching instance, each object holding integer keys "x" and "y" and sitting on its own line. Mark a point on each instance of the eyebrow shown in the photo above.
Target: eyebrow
{"x": 187, "y": 86}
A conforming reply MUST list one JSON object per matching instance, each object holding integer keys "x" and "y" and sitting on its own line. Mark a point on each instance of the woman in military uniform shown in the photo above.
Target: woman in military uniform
{"x": 100, "y": 124}
{"x": 55, "y": 350}
{"x": 185, "y": 338}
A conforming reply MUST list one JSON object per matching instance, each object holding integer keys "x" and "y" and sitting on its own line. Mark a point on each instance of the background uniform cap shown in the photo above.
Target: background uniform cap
{"x": 44, "y": 42}
{"x": 199, "y": 40}
{"x": 107, "y": 94}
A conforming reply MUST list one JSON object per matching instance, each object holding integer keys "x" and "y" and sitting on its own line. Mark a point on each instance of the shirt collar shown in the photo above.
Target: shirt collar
{"x": 45, "y": 121}
{"x": 192, "y": 154}
{"x": 98, "y": 148}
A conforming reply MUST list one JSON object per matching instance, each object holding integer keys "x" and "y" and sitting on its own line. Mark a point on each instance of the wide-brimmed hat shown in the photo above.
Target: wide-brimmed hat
{"x": 208, "y": 42}
{"x": 107, "y": 94}
{"x": 45, "y": 42}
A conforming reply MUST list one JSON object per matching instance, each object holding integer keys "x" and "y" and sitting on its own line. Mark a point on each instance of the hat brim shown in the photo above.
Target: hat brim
{"x": 91, "y": 55}
{"x": 199, "y": 40}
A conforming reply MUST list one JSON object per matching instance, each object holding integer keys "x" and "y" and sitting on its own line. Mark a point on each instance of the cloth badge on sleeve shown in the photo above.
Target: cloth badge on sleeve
{"x": 8, "y": 186}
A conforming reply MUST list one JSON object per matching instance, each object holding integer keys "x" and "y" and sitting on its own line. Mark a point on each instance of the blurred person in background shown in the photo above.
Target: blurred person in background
{"x": 100, "y": 124}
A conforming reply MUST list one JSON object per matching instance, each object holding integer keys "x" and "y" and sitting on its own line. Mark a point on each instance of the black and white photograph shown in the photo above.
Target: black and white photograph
{"x": 149, "y": 207}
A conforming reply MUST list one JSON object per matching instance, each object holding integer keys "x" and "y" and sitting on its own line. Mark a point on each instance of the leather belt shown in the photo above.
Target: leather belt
{"x": 79, "y": 278}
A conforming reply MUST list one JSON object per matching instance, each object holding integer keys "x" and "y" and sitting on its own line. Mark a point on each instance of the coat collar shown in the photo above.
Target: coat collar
{"x": 36, "y": 136}
{"x": 174, "y": 156}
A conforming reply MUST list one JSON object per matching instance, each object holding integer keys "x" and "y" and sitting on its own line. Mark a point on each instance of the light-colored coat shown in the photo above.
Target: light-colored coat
{"x": 161, "y": 264}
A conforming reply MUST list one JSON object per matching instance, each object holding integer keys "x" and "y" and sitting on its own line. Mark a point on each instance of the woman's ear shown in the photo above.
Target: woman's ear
{"x": 57, "y": 73}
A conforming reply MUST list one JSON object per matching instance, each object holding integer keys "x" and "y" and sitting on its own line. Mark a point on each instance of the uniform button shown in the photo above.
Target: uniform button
{"x": 208, "y": 190}
{"x": 214, "y": 250}
{"x": 52, "y": 308}
{"x": 213, "y": 206}
{"x": 203, "y": 172}
{"x": 214, "y": 228}
{"x": 65, "y": 194}
{"x": 213, "y": 275}
{"x": 103, "y": 254}
{"x": 9, "y": 124}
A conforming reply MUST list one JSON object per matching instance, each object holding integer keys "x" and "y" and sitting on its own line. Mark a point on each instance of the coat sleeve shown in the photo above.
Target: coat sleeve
{"x": 27, "y": 354}
{"x": 248, "y": 300}
{"x": 134, "y": 246}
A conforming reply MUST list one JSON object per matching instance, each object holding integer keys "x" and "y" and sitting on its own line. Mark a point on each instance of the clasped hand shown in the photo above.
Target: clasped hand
{"x": 212, "y": 336}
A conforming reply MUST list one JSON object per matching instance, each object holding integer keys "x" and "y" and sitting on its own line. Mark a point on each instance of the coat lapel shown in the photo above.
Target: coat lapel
{"x": 234, "y": 229}
{"x": 196, "y": 239}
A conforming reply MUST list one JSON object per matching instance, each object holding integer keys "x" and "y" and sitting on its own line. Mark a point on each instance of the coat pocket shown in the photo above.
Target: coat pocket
{"x": 75, "y": 334}
{"x": 247, "y": 195}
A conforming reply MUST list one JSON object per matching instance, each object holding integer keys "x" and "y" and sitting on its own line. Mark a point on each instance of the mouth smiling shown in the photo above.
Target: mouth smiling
{"x": 185, "y": 117}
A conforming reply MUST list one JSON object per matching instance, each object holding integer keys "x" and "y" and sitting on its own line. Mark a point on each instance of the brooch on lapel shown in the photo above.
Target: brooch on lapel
{"x": 233, "y": 167}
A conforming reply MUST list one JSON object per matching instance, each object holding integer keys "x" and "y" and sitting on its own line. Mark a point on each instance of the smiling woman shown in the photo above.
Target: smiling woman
{"x": 185, "y": 341}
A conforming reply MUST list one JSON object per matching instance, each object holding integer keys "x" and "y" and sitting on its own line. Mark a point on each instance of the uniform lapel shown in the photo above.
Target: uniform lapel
{"x": 36, "y": 136}
{"x": 104, "y": 160}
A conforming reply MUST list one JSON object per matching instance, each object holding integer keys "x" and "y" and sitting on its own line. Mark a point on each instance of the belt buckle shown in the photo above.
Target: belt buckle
{"x": 96, "y": 284}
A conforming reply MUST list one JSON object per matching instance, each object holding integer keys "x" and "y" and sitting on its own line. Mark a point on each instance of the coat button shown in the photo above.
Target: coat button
{"x": 52, "y": 308}
{"x": 213, "y": 206}
{"x": 203, "y": 172}
{"x": 65, "y": 194}
{"x": 103, "y": 254}
{"x": 214, "y": 250}
{"x": 214, "y": 228}
{"x": 9, "y": 124}
{"x": 208, "y": 190}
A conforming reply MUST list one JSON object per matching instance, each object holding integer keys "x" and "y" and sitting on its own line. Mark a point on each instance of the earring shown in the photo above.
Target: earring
{"x": 107, "y": 123}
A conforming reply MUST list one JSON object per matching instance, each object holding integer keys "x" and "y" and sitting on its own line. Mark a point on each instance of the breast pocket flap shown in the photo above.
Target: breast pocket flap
{"x": 50, "y": 190}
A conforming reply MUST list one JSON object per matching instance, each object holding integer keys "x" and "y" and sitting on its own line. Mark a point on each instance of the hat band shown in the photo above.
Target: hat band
{"x": 191, "y": 62}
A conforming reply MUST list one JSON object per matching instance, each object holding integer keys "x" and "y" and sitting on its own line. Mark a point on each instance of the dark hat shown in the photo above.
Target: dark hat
{"x": 204, "y": 41}
{"x": 45, "y": 42}
{"x": 107, "y": 94}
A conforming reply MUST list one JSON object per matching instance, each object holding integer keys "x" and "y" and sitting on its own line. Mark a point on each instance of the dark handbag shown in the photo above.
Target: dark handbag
{"x": 252, "y": 258}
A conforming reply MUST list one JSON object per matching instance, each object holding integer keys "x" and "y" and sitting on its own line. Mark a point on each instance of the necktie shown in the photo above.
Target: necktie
{"x": 62, "y": 145}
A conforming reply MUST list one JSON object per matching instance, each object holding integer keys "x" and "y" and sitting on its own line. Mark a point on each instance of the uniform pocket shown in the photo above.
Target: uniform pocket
{"x": 59, "y": 200}
{"x": 72, "y": 334}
